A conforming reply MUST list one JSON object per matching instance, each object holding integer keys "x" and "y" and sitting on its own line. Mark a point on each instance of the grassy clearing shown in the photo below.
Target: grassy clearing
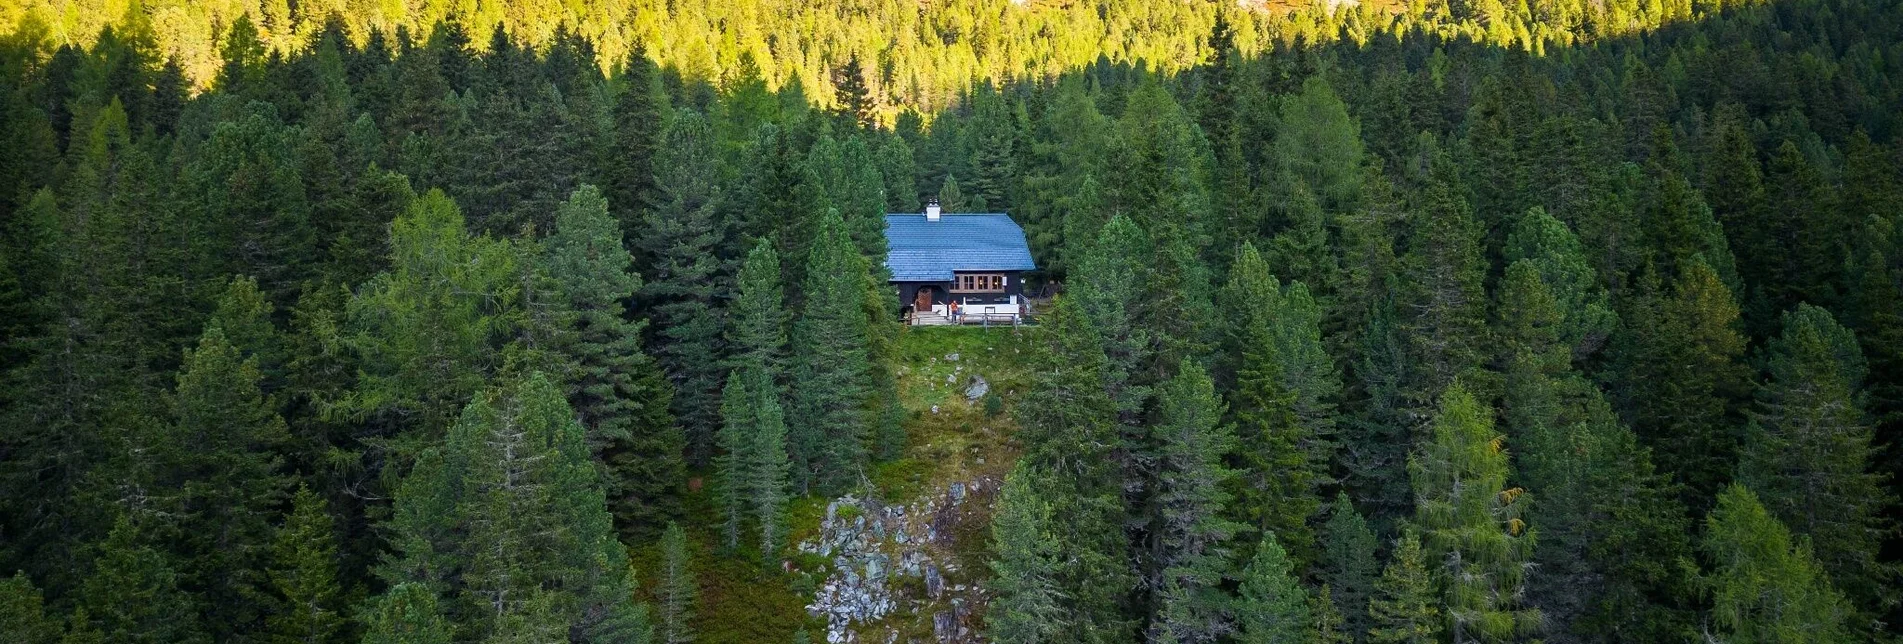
{"x": 743, "y": 601}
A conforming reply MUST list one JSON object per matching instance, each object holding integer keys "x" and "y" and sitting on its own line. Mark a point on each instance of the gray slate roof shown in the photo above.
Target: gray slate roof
{"x": 928, "y": 251}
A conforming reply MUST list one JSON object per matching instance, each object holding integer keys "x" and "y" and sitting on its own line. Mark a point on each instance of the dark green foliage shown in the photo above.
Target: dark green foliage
{"x": 831, "y": 385}
{"x": 23, "y": 614}
{"x": 1068, "y": 425}
{"x": 756, "y": 327}
{"x": 304, "y": 572}
{"x": 1025, "y": 569}
{"x": 619, "y": 392}
{"x": 1677, "y": 377}
{"x": 1442, "y": 277}
{"x": 1807, "y": 450}
{"x": 676, "y": 590}
{"x": 507, "y": 516}
{"x": 406, "y": 614}
{"x": 1187, "y": 530}
{"x": 677, "y": 239}
{"x": 1348, "y": 566}
{"x": 754, "y": 466}
{"x": 1273, "y": 607}
{"x": 134, "y": 594}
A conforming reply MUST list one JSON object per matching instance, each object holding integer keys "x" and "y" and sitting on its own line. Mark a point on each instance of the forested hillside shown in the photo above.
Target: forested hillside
{"x": 1465, "y": 322}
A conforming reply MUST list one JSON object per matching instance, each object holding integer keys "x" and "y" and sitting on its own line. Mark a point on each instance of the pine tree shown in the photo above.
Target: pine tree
{"x": 1068, "y": 425}
{"x": 677, "y": 588}
{"x": 1678, "y": 376}
{"x": 1328, "y": 619}
{"x": 1764, "y": 585}
{"x": 22, "y": 613}
{"x": 1404, "y": 609}
{"x": 249, "y": 196}
{"x": 1028, "y": 606}
{"x": 678, "y": 237}
{"x": 619, "y": 392}
{"x": 1471, "y": 522}
{"x": 1272, "y": 607}
{"x": 216, "y": 480}
{"x": 304, "y": 571}
{"x": 756, "y": 331}
{"x": 629, "y": 166}
{"x": 133, "y": 593}
{"x": 1807, "y": 450}
{"x": 1108, "y": 287}
{"x": 1280, "y": 402}
{"x": 830, "y": 385}
{"x": 1188, "y": 533}
{"x": 753, "y": 469}
{"x": 507, "y": 515}
{"x": 406, "y": 614}
{"x": 1442, "y": 274}
{"x": 1348, "y": 566}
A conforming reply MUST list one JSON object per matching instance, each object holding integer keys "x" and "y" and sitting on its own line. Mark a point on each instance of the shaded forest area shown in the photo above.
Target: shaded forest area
{"x": 1566, "y": 321}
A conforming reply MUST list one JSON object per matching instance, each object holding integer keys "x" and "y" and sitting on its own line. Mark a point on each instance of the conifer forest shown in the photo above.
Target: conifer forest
{"x": 534, "y": 321}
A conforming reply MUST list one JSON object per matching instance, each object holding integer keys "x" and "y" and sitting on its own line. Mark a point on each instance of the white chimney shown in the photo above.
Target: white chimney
{"x": 931, "y": 210}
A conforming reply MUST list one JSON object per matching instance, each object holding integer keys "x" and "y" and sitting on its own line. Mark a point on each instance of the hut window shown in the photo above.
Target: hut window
{"x": 979, "y": 283}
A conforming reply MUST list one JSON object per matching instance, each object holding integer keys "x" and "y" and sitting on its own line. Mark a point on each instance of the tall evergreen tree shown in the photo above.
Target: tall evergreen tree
{"x": 1273, "y": 606}
{"x": 1348, "y": 566}
{"x": 406, "y": 614}
{"x": 1068, "y": 424}
{"x": 1442, "y": 276}
{"x": 304, "y": 572}
{"x": 1188, "y": 533}
{"x": 1404, "y": 609}
{"x": 1678, "y": 376}
{"x": 1025, "y": 569}
{"x": 756, "y": 329}
{"x": 1807, "y": 449}
{"x": 619, "y": 392}
{"x": 508, "y": 516}
{"x": 677, "y": 590}
{"x": 23, "y": 614}
{"x": 678, "y": 237}
{"x": 134, "y": 595}
{"x": 629, "y": 166}
{"x": 830, "y": 385}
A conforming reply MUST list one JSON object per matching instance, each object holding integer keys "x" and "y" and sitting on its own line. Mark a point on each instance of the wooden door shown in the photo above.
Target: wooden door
{"x": 923, "y": 302}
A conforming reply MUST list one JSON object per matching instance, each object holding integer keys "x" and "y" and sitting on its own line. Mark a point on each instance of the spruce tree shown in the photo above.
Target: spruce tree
{"x": 1348, "y": 566}
{"x": 1068, "y": 425}
{"x": 1280, "y": 402}
{"x": 134, "y": 594}
{"x": 756, "y": 330}
{"x": 1471, "y": 523}
{"x": 1273, "y": 606}
{"x": 753, "y": 468}
{"x": 1188, "y": 533}
{"x": 618, "y": 391}
{"x": 1588, "y": 319}
{"x": 1442, "y": 277}
{"x": 23, "y": 615}
{"x": 678, "y": 237}
{"x": 1028, "y": 606}
{"x": 1404, "y": 609}
{"x": 508, "y": 516}
{"x": 676, "y": 592}
{"x": 830, "y": 383}
{"x": 1765, "y": 585}
{"x": 629, "y": 166}
{"x": 406, "y": 614}
{"x": 1678, "y": 375}
{"x": 304, "y": 572}
{"x": 1807, "y": 450}
{"x": 1108, "y": 286}
{"x": 216, "y": 480}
